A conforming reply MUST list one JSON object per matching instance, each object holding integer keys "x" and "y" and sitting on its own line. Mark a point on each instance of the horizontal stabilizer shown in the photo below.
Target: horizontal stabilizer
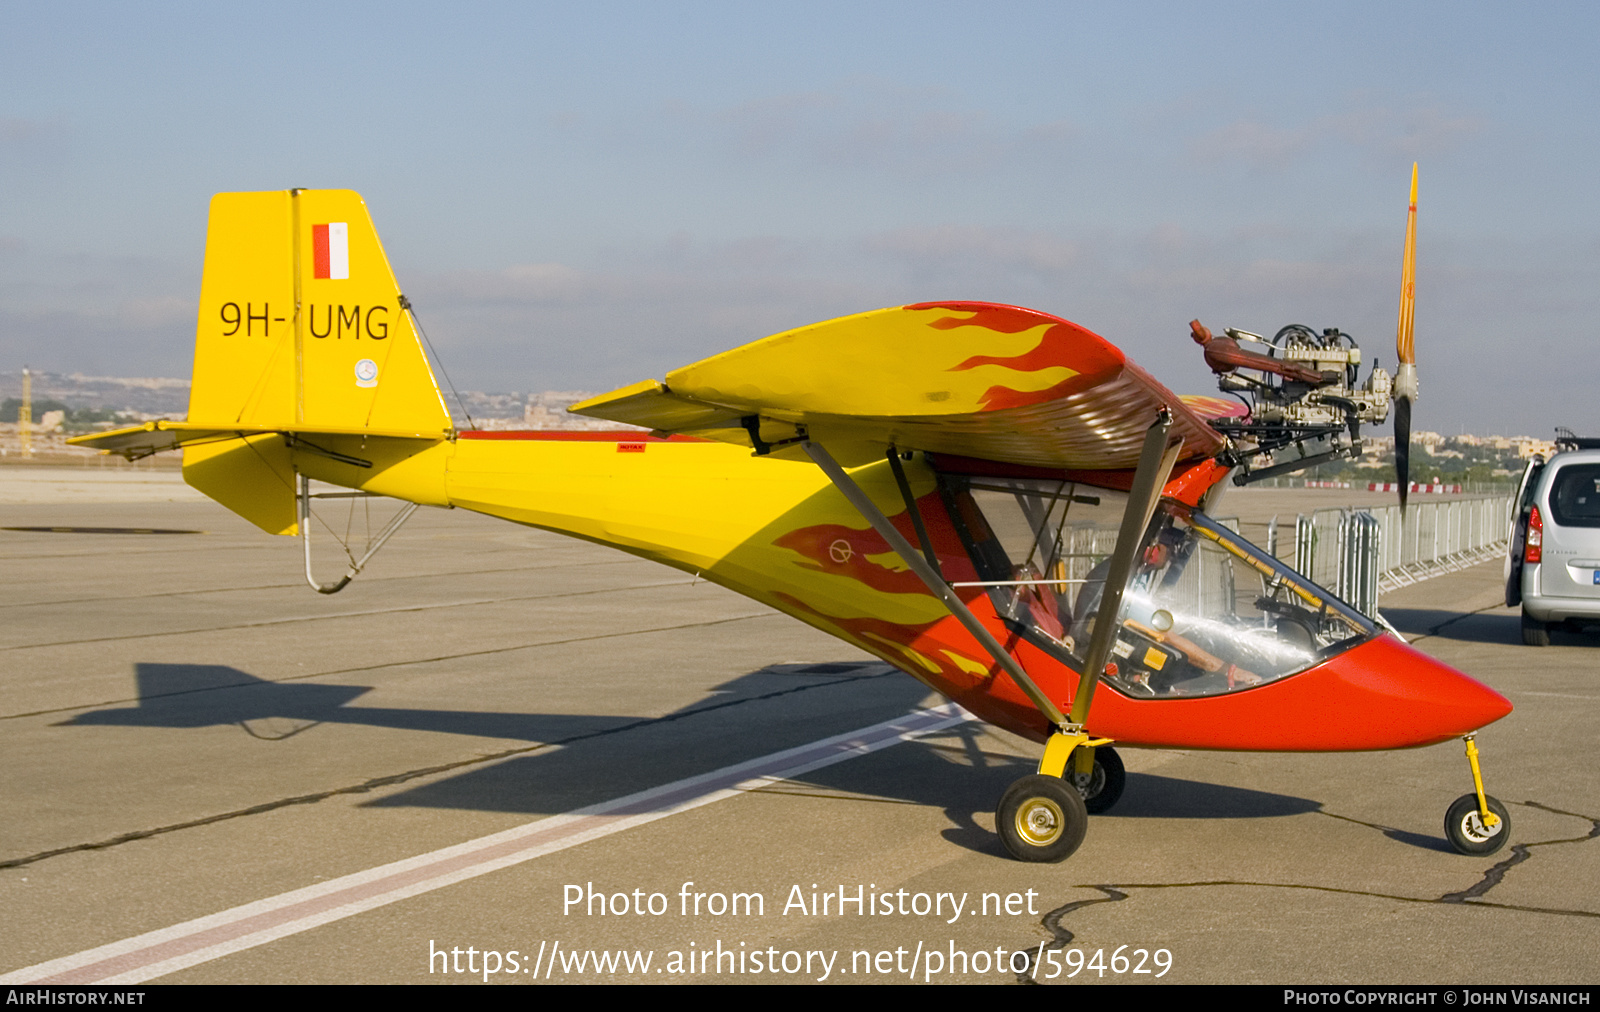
{"x": 138, "y": 441}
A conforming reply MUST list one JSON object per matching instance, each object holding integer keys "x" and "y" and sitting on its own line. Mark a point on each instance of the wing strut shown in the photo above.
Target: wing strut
{"x": 356, "y": 565}
{"x": 912, "y": 558}
{"x": 1155, "y": 463}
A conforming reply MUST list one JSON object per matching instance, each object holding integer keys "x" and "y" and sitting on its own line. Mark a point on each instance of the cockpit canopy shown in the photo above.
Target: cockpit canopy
{"x": 1205, "y": 611}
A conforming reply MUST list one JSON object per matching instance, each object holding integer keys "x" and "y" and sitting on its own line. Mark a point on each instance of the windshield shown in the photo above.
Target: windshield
{"x": 1205, "y": 611}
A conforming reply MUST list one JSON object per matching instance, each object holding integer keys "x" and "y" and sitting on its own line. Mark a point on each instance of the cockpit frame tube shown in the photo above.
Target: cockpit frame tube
{"x": 915, "y": 511}
{"x": 1156, "y": 459}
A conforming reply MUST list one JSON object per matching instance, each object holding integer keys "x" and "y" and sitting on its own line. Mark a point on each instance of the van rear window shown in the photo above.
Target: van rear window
{"x": 1575, "y": 496}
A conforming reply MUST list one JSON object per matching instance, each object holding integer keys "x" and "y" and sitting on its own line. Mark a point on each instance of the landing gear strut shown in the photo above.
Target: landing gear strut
{"x": 1477, "y": 823}
{"x": 1043, "y": 816}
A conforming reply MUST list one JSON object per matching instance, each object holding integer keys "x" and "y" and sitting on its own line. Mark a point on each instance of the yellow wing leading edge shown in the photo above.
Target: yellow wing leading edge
{"x": 973, "y": 379}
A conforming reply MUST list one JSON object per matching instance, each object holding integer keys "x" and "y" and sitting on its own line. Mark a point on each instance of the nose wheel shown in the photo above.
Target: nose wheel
{"x": 1477, "y": 823}
{"x": 1464, "y": 825}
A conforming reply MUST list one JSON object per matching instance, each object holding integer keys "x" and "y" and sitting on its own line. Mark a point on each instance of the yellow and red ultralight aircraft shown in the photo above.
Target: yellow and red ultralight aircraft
{"x": 991, "y": 499}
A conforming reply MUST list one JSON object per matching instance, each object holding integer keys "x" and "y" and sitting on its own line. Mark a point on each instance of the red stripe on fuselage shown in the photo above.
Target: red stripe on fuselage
{"x": 559, "y": 436}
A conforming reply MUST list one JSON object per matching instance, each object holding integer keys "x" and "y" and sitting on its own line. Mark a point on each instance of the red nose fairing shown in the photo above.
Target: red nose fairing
{"x": 1217, "y": 644}
{"x": 1382, "y": 694}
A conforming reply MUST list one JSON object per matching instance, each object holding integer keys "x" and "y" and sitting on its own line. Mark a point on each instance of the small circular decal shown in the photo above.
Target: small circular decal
{"x": 366, "y": 373}
{"x": 840, "y": 551}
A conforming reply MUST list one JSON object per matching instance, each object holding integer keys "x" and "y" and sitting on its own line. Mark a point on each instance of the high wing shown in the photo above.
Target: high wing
{"x": 970, "y": 379}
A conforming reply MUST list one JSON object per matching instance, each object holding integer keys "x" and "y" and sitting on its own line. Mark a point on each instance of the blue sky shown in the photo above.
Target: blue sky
{"x": 583, "y": 195}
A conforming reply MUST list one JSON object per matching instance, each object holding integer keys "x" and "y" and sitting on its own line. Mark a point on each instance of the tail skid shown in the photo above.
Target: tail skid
{"x": 303, "y": 499}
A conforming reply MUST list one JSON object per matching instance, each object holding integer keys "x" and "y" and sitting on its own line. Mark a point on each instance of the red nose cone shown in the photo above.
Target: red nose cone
{"x": 1391, "y": 695}
{"x": 1380, "y": 695}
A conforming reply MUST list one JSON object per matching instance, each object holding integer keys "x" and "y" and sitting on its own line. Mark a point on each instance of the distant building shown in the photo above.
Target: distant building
{"x": 1527, "y": 446}
{"x": 549, "y": 411}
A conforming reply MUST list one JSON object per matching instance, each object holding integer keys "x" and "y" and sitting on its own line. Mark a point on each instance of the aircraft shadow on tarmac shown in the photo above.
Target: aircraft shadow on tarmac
{"x": 951, "y": 770}
{"x": 924, "y": 774}
{"x": 209, "y": 695}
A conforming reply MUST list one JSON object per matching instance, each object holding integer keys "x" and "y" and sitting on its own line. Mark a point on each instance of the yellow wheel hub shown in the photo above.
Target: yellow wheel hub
{"x": 1040, "y": 821}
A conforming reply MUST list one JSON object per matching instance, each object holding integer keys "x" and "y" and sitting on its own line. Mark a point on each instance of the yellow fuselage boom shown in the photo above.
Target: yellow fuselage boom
{"x": 773, "y": 530}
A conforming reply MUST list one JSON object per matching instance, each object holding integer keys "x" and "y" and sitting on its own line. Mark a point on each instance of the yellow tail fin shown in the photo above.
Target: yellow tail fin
{"x": 302, "y": 330}
{"x": 302, "y": 325}
{"x": 303, "y": 341}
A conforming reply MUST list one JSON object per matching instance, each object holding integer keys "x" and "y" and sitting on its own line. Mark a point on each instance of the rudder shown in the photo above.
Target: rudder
{"x": 302, "y": 324}
{"x": 302, "y": 329}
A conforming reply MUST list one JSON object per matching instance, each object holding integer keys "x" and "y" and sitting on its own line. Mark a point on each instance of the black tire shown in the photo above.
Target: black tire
{"x": 1464, "y": 828}
{"x": 1041, "y": 818}
{"x": 1534, "y": 632}
{"x": 1103, "y": 787}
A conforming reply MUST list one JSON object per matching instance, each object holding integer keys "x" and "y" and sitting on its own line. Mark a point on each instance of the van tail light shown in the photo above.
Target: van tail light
{"x": 1534, "y": 550}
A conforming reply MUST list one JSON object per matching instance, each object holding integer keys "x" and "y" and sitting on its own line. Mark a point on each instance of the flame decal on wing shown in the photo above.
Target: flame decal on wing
{"x": 1086, "y": 357}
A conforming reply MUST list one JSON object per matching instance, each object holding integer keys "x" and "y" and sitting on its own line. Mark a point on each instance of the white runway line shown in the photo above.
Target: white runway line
{"x": 145, "y": 957}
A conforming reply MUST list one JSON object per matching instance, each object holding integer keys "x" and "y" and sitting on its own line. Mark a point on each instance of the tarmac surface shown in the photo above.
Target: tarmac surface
{"x": 215, "y": 775}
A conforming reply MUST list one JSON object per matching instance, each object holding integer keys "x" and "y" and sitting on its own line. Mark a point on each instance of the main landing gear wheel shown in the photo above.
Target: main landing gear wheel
{"x": 1464, "y": 827}
{"x": 1103, "y": 787}
{"x": 1041, "y": 818}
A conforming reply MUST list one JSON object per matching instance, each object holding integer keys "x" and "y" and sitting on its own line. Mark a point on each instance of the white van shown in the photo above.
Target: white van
{"x": 1553, "y": 565}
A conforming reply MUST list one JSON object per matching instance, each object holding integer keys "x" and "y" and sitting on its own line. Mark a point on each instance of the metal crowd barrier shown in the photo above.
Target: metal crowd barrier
{"x": 1444, "y": 537}
{"x": 1360, "y": 553}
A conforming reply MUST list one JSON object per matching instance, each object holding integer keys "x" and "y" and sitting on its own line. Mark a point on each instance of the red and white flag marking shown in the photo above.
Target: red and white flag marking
{"x": 330, "y": 250}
